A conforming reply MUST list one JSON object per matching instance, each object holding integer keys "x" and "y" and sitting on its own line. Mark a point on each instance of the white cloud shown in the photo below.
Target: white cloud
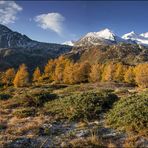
{"x": 52, "y": 21}
{"x": 8, "y": 11}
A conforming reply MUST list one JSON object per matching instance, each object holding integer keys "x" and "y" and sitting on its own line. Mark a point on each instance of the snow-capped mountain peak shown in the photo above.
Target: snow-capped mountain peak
{"x": 103, "y": 37}
{"x": 104, "y": 34}
{"x": 144, "y": 34}
{"x": 141, "y": 39}
{"x": 131, "y": 35}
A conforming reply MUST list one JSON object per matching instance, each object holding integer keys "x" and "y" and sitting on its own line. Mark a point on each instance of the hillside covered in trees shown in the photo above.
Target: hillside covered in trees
{"x": 64, "y": 71}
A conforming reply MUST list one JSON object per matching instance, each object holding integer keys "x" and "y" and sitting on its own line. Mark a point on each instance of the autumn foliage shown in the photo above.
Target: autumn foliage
{"x": 37, "y": 75}
{"x": 9, "y": 76}
{"x": 141, "y": 72}
{"x": 22, "y": 77}
{"x": 64, "y": 71}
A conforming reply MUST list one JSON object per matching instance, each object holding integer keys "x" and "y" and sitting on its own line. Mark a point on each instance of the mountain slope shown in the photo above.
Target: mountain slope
{"x": 16, "y": 48}
{"x": 131, "y": 54}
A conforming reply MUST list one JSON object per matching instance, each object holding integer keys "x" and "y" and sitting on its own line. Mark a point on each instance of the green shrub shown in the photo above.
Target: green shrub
{"x": 36, "y": 100}
{"x": 130, "y": 114}
{"x": 24, "y": 112}
{"x": 79, "y": 106}
{"x": 4, "y": 96}
{"x": 2, "y": 126}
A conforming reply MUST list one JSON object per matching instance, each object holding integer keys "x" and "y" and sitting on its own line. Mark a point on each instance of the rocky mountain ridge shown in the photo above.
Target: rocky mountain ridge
{"x": 16, "y": 48}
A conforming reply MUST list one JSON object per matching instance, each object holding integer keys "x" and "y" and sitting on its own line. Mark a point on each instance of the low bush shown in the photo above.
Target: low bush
{"x": 2, "y": 126}
{"x": 4, "y": 96}
{"x": 87, "y": 105}
{"x": 130, "y": 113}
{"x": 24, "y": 112}
{"x": 36, "y": 100}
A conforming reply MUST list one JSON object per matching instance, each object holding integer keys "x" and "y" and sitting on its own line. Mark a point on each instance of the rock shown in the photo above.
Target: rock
{"x": 142, "y": 142}
{"x": 63, "y": 144}
{"x": 22, "y": 142}
{"x": 82, "y": 133}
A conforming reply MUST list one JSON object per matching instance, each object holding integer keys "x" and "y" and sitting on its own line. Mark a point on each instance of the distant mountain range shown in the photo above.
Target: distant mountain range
{"x": 105, "y": 46}
{"x": 101, "y": 46}
{"x": 141, "y": 39}
{"x": 107, "y": 37}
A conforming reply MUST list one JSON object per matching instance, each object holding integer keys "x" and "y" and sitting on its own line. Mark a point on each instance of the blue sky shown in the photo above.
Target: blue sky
{"x": 59, "y": 21}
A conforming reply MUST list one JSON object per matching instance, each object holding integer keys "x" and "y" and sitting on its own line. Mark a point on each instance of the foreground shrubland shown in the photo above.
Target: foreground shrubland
{"x": 73, "y": 115}
{"x": 81, "y": 106}
{"x": 130, "y": 114}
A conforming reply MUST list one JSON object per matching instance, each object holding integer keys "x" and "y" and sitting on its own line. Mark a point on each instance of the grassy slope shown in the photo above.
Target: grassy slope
{"x": 29, "y": 113}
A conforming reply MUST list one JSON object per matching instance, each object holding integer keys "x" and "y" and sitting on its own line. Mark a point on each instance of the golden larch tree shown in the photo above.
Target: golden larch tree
{"x": 74, "y": 74}
{"x": 96, "y": 73}
{"x": 9, "y": 76}
{"x": 37, "y": 75}
{"x": 108, "y": 72}
{"x": 129, "y": 76}
{"x": 59, "y": 69}
{"x": 82, "y": 72}
{"x": 49, "y": 70}
{"x": 68, "y": 73}
{"x": 120, "y": 72}
{"x": 21, "y": 77}
{"x": 141, "y": 71}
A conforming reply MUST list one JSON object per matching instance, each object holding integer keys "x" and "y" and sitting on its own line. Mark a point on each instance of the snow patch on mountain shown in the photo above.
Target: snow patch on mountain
{"x": 141, "y": 39}
{"x": 103, "y": 37}
{"x": 70, "y": 43}
{"x": 144, "y": 34}
{"x": 105, "y": 34}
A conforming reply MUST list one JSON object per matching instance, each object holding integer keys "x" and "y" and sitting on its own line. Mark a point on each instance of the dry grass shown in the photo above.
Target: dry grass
{"x": 25, "y": 125}
{"x": 111, "y": 145}
{"x": 130, "y": 142}
{"x": 91, "y": 141}
{"x": 81, "y": 125}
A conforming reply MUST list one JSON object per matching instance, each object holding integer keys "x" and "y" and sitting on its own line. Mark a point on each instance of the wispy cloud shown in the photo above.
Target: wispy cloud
{"x": 8, "y": 11}
{"x": 52, "y": 21}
